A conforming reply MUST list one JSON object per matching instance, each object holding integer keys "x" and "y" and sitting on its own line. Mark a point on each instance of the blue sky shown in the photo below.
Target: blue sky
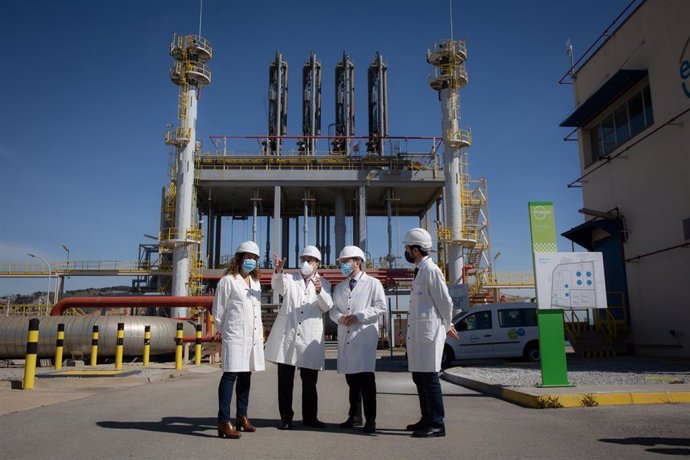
{"x": 87, "y": 98}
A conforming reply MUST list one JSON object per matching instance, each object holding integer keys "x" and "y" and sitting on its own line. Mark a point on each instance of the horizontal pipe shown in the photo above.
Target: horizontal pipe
{"x": 166, "y": 302}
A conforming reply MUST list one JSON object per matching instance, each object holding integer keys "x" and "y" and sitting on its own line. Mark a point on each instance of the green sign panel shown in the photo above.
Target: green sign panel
{"x": 542, "y": 227}
{"x": 554, "y": 369}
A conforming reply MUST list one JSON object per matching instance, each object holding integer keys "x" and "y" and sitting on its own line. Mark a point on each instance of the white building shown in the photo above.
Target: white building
{"x": 632, "y": 116}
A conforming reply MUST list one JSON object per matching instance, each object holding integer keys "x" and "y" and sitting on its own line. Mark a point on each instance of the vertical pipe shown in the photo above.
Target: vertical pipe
{"x": 323, "y": 236}
{"x": 362, "y": 219}
{"x": 328, "y": 240}
{"x": 267, "y": 259}
{"x": 94, "y": 347}
{"x": 147, "y": 345}
{"x": 389, "y": 212}
{"x": 119, "y": 348}
{"x": 59, "y": 343}
{"x": 317, "y": 231}
{"x": 339, "y": 222}
{"x": 297, "y": 241}
{"x": 306, "y": 219}
{"x": 210, "y": 239}
{"x": 216, "y": 257}
{"x": 255, "y": 211}
{"x": 31, "y": 352}
{"x": 197, "y": 346}
{"x": 286, "y": 241}
{"x": 178, "y": 347}
{"x": 277, "y": 221}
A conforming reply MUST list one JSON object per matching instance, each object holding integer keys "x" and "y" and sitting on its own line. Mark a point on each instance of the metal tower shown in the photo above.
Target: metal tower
{"x": 277, "y": 104}
{"x": 311, "y": 105}
{"x": 448, "y": 59}
{"x": 378, "y": 104}
{"x": 344, "y": 105}
{"x": 190, "y": 73}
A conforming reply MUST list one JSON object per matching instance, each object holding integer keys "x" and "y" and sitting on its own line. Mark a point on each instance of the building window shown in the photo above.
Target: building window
{"x": 620, "y": 123}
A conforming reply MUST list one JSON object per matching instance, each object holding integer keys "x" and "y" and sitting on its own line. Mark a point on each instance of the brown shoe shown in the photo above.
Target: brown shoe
{"x": 243, "y": 424}
{"x": 226, "y": 430}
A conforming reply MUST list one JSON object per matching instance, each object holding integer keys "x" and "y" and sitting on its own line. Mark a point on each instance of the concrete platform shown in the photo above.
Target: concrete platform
{"x": 576, "y": 396}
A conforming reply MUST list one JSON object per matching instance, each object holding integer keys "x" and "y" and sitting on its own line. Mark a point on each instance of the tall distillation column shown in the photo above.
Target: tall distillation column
{"x": 344, "y": 105}
{"x": 189, "y": 72}
{"x": 448, "y": 59}
{"x": 277, "y": 103}
{"x": 311, "y": 104}
{"x": 378, "y": 104}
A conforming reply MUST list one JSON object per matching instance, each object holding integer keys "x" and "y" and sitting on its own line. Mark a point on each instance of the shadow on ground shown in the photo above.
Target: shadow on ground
{"x": 679, "y": 446}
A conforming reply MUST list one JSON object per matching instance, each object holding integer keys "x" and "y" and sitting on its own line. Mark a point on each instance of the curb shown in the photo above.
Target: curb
{"x": 523, "y": 396}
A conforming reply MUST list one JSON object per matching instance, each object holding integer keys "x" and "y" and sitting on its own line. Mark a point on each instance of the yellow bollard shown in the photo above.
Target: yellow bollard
{"x": 94, "y": 346}
{"x": 58, "y": 345}
{"x": 120, "y": 345}
{"x": 147, "y": 344}
{"x": 178, "y": 347}
{"x": 197, "y": 346}
{"x": 31, "y": 351}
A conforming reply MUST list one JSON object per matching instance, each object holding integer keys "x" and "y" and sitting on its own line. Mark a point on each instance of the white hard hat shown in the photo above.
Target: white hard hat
{"x": 250, "y": 247}
{"x": 352, "y": 251}
{"x": 418, "y": 237}
{"x": 311, "y": 251}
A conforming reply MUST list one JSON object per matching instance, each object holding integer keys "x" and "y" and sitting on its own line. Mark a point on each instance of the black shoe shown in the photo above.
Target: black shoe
{"x": 420, "y": 425}
{"x": 316, "y": 423}
{"x": 369, "y": 427}
{"x": 285, "y": 425}
{"x": 351, "y": 422}
{"x": 430, "y": 432}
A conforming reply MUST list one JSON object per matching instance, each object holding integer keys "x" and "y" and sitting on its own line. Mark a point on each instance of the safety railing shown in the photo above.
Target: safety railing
{"x": 72, "y": 267}
{"x": 181, "y": 42}
{"x": 511, "y": 279}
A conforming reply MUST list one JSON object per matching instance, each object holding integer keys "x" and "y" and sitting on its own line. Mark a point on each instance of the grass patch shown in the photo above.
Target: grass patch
{"x": 549, "y": 402}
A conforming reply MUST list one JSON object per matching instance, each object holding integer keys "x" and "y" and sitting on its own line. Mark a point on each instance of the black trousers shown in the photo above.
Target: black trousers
{"x": 286, "y": 384}
{"x": 362, "y": 391}
{"x": 430, "y": 397}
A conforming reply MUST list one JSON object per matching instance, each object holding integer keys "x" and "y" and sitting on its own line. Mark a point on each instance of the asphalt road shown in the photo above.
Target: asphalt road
{"x": 176, "y": 418}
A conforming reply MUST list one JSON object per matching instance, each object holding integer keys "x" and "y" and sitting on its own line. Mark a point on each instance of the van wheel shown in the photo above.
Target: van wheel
{"x": 531, "y": 352}
{"x": 448, "y": 357}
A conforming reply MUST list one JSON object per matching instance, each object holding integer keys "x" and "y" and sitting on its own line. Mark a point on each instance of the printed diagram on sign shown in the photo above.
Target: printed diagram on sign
{"x": 572, "y": 280}
{"x": 572, "y": 285}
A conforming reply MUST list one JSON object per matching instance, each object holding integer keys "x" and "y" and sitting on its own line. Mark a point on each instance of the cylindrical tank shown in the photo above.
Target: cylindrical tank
{"x": 13, "y": 330}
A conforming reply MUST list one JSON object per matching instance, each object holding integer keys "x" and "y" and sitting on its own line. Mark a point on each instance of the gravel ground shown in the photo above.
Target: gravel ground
{"x": 581, "y": 371}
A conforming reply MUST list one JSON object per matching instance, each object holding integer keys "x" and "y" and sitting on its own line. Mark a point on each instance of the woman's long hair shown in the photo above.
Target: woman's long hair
{"x": 235, "y": 266}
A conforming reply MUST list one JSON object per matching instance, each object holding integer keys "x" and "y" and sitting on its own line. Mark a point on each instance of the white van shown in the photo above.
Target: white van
{"x": 499, "y": 330}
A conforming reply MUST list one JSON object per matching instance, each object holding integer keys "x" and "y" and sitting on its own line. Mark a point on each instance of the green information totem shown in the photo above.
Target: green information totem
{"x": 554, "y": 369}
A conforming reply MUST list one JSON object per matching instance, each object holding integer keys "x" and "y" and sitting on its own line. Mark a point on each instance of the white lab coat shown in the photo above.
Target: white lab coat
{"x": 357, "y": 342}
{"x": 237, "y": 316}
{"x": 297, "y": 335}
{"x": 429, "y": 318}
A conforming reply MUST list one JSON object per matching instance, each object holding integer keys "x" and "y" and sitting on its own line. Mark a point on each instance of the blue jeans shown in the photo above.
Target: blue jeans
{"x": 227, "y": 382}
{"x": 430, "y": 397}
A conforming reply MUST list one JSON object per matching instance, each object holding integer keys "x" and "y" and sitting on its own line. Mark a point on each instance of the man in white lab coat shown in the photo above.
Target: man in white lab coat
{"x": 428, "y": 323}
{"x": 296, "y": 338}
{"x": 357, "y": 303}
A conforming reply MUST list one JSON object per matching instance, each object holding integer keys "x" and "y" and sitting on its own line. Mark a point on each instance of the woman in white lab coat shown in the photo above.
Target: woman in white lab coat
{"x": 237, "y": 317}
{"x": 357, "y": 303}
{"x": 297, "y": 338}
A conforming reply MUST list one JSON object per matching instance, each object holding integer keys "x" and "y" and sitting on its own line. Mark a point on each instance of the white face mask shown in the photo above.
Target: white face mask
{"x": 306, "y": 268}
